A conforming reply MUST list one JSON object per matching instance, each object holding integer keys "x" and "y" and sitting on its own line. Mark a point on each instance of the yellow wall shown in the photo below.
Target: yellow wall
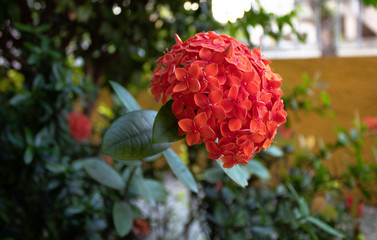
{"x": 352, "y": 86}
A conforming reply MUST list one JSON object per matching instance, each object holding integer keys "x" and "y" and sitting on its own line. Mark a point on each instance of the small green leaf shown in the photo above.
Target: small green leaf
{"x": 274, "y": 151}
{"x": 29, "y": 154}
{"x": 29, "y": 136}
{"x": 343, "y": 138}
{"x": 310, "y": 231}
{"x": 165, "y": 126}
{"x": 255, "y": 167}
{"x": 325, "y": 99}
{"x": 213, "y": 175}
{"x": 122, "y": 217}
{"x": 130, "y": 137}
{"x": 235, "y": 173}
{"x": 374, "y": 150}
{"x": 19, "y": 98}
{"x": 23, "y": 27}
{"x": 324, "y": 226}
{"x": 180, "y": 170}
{"x": 103, "y": 173}
{"x": 43, "y": 28}
{"x": 158, "y": 191}
{"x": 142, "y": 188}
{"x": 127, "y": 99}
{"x": 293, "y": 191}
{"x": 303, "y": 207}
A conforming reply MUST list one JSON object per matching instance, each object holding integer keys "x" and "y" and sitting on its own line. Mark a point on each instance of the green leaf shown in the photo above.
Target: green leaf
{"x": 23, "y": 27}
{"x": 374, "y": 150}
{"x": 255, "y": 167}
{"x": 103, "y": 173}
{"x": 303, "y": 207}
{"x": 180, "y": 170}
{"x": 165, "y": 126}
{"x": 158, "y": 191}
{"x": 213, "y": 175}
{"x": 43, "y": 28}
{"x": 326, "y": 101}
{"x": 293, "y": 191}
{"x": 235, "y": 173}
{"x": 19, "y": 98}
{"x": 310, "y": 231}
{"x": 130, "y": 137}
{"x": 275, "y": 152}
{"x": 29, "y": 154}
{"x": 122, "y": 217}
{"x": 29, "y": 136}
{"x": 324, "y": 226}
{"x": 141, "y": 187}
{"x": 127, "y": 99}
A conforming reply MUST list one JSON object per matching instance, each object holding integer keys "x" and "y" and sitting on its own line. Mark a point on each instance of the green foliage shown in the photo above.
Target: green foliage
{"x": 103, "y": 173}
{"x": 235, "y": 173}
{"x": 165, "y": 126}
{"x": 122, "y": 217}
{"x": 128, "y": 101}
{"x": 130, "y": 137}
{"x": 180, "y": 170}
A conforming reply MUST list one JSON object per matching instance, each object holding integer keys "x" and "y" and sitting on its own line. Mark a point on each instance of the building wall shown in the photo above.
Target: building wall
{"x": 352, "y": 86}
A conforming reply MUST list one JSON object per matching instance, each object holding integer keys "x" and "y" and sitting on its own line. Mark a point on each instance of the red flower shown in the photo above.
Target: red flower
{"x": 349, "y": 206}
{"x": 371, "y": 124}
{"x": 224, "y": 95}
{"x": 80, "y": 126}
{"x": 141, "y": 228}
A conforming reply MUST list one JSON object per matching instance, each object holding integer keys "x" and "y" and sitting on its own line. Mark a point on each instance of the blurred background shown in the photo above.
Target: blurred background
{"x": 56, "y": 61}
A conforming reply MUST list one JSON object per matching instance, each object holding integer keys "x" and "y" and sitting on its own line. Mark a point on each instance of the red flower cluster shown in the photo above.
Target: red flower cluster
{"x": 349, "y": 205}
{"x": 371, "y": 123}
{"x": 141, "y": 228}
{"x": 80, "y": 126}
{"x": 224, "y": 95}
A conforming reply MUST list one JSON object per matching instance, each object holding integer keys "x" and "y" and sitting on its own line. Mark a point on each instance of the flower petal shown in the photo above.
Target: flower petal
{"x": 180, "y": 87}
{"x": 205, "y": 54}
{"x": 248, "y": 148}
{"x": 201, "y": 100}
{"x": 212, "y": 155}
{"x": 240, "y": 111}
{"x": 211, "y": 69}
{"x": 200, "y": 119}
{"x": 274, "y": 84}
{"x": 213, "y": 83}
{"x": 218, "y": 58}
{"x": 279, "y": 118}
{"x": 206, "y": 131}
{"x": 194, "y": 84}
{"x": 212, "y": 147}
{"x": 178, "y": 40}
{"x": 180, "y": 73}
{"x": 215, "y": 96}
{"x": 218, "y": 112}
{"x": 193, "y": 138}
{"x": 234, "y": 124}
{"x": 194, "y": 70}
{"x": 187, "y": 125}
{"x": 227, "y": 105}
{"x": 233, "y": 93}
{"x": 177, "y": 107}
{"x": 229, "y": 51}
